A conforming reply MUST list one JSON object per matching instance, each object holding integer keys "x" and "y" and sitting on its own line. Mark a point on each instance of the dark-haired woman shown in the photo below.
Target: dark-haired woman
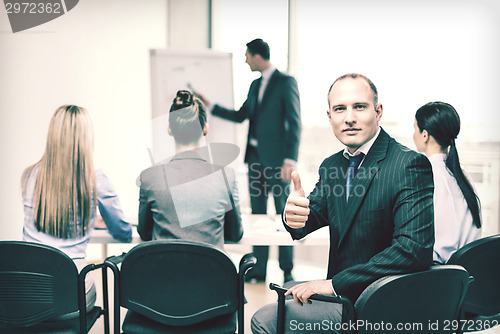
{"x": 189, "y": 197}
{"x": 457, "y": 210}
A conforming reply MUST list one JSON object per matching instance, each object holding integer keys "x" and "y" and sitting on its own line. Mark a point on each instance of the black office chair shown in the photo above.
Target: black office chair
{"x": 179, "y": 287}
{"x": 481, "y": 258}
{"x": 420, "y": 301}
{"x": 40, "y": 287}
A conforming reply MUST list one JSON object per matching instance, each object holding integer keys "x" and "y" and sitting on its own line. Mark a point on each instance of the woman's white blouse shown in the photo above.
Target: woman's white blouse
{"x": 452, "y": 217}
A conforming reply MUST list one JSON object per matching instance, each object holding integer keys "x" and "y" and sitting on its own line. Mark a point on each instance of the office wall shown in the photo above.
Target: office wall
{"x": 96, "y": 56}
{"x": 187, "y": 24}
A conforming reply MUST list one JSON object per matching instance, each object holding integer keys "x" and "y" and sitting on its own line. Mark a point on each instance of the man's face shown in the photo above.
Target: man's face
{"x": 353, "y": 116}
{"x": 251, "y": 61}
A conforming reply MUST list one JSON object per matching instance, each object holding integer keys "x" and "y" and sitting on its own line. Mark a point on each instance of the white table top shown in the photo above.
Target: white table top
{"x": 257, "y": 230}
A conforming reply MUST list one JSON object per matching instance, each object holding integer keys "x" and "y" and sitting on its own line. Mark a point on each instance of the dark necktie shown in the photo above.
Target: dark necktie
{"x": 351, "y": 172}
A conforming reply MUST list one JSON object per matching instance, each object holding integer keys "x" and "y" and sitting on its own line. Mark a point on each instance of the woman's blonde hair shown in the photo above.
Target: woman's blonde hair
{"x": 65, "y": 180}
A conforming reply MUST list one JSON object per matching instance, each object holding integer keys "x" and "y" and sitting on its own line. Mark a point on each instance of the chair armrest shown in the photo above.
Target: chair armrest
{"x": 324, "y": 298}
{"x": 246, "y": 263}
{"x": 347, "y": 306}
{"x": 82, "y": 298}
{"x": 113, "y": 261}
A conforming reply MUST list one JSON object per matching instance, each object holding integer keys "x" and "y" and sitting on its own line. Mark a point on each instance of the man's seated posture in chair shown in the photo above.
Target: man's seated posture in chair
{"x": 376, "y": 198}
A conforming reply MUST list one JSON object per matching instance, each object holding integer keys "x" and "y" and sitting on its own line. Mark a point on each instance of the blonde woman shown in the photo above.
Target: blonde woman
{"x": 61, "y": 191}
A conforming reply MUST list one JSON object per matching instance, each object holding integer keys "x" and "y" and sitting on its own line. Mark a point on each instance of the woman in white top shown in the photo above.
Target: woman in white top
{"x": 457, "y": 217}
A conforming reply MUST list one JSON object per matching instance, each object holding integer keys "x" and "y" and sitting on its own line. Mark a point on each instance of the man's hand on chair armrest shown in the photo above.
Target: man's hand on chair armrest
{"x": 302, "y": 292}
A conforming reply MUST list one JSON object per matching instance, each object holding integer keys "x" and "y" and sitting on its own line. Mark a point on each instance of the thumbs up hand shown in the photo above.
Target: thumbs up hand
{"x": 297, "y": 205}
{"x": 297, "y": 185}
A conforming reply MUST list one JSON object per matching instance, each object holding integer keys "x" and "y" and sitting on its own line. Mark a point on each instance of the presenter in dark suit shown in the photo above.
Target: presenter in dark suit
{"x": 379, "y": 213}
{"x": 273, "y": 109}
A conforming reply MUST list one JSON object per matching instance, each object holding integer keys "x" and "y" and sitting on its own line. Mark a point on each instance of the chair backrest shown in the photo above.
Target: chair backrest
{"x": 178, "y": 283}
{"x": 37, "y": 282}
{"x": 481, "y": 258}
{"x": 418, "y": 302}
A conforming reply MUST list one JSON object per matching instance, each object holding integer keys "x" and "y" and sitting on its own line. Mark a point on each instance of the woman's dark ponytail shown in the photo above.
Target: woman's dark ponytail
{"x": 442, "y": 122}
{"x": 453, "y": 164}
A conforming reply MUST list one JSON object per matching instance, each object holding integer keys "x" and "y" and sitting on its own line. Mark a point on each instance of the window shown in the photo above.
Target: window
{"x": 414, "y": 52}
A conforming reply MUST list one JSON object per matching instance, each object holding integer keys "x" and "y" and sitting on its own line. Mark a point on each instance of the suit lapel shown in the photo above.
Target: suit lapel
{"x": 362, "y": 182}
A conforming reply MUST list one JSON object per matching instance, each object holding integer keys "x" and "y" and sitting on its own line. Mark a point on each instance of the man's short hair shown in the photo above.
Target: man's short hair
{"x": 259, "y": 47}
{"x": 356, "y": 76}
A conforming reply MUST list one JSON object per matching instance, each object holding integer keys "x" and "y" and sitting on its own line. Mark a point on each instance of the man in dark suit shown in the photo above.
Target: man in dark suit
{"x": 273, "y": 109}
{"x": 375, "y": 196}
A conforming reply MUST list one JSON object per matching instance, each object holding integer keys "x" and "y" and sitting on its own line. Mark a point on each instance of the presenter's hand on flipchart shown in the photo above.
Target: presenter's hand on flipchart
{"x": 297, "y": 205}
